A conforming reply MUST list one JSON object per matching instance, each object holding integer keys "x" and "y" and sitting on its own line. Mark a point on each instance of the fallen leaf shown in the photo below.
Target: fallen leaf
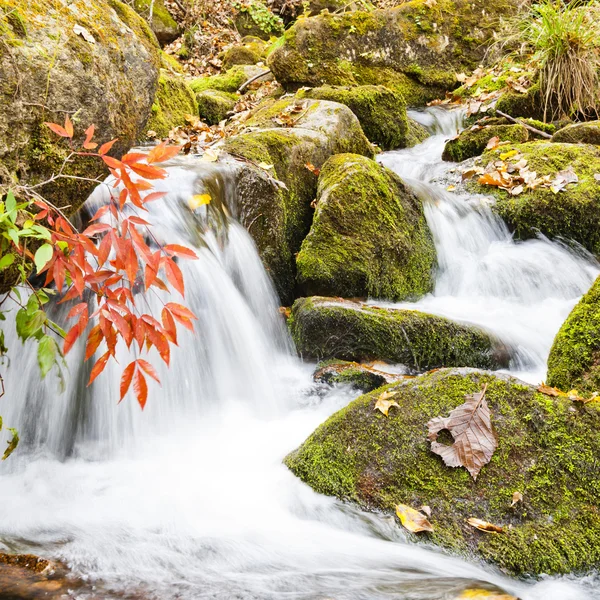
{"x": 481, "y": 594}
{"x": 314, "y": 170}
{"x": 199, "y": 200}
{"x": 84, "y": 33}
{"x": 384, "y": 403}
{"x": 516, "y": 497}
{"x": 450, "y": 188}
{"x": 412, "y": 519}
{"x": 494, "y": 178}
{"x": 210, "y": 155}
{"x": 426, "y": 510}
{"x": 493, "y": 143}
{"x": 265, "y": 166}
{"x": 474, "y": 438}
{"x": 549, "y": 391}
{"x": 484, "y": 526}
{"x": 508, "y": 154}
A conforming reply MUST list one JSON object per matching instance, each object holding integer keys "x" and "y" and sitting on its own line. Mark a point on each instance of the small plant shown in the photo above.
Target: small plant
{"x": 565, "y": 42}
{"x": 262, "y": 16}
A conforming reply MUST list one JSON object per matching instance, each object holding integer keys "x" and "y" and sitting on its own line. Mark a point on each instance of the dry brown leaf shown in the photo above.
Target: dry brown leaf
{"x": 516, "y": 497}
{"x": 493, "y": 143}
{"x": 314, "y": 170}
{"x": 425, "y": 510}
{"x": 474, "y": 438}
{"x": 412, "y": 519}
{"x": 549, "y": 391}
{"x": 484, "y": 526}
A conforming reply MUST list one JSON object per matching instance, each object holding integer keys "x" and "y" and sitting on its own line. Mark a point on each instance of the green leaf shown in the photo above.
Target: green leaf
{"x": 42, "y": 256}
{"x": 6, "y": 261}
{"x": 11, "y": 206}
{"x": 0, "y": 423}
{"x": 12, "y": 444}
{"x": 47, "y": 354}
{"x": 29, "y": 325}
{"x": 13, "y": 234}
{"x": 44, "y": 233}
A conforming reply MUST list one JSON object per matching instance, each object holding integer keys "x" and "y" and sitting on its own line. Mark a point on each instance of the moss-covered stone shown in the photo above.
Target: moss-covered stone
{"x": 213, "y": 106}
{"x": 416, "y": 133}
{"x": 573, "y": 213}
{"x": 574, "y": 361}
{"x": 579, "y": 133}
{"x": 415, "y": 48}
{"x": 548, "y": 450}
{"x": 381, "y": 111}
{"x": 279, "y": 216}
{"x": 162, "y": 24}
{"x": 250, "y": 53}
{"x": 230, "y": 81}
{"x": 173, "y": 102}
{"x": 170, "y": 64}
{"x": 472, "y": 142}
{"x": 325, "y": 328}
{"x": 342, "y": 372}
{"x": 529, "y": 105}
{"x": 254, "y": 18}
{"x": 369, "y": 236}
{"x": 47, "y": 71}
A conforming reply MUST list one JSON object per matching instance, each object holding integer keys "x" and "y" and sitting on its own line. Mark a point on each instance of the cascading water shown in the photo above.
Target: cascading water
{"x": 189, "y": 499}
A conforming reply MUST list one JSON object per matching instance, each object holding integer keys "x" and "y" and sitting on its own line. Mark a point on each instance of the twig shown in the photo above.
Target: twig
{"x": 253, "y": 79}
{"x": 533, "y": 129}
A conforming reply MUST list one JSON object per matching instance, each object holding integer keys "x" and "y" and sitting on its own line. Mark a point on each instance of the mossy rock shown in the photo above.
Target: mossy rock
{"x": 548, "y": 450}
{"x": 573, "y": 213}
{"x": 230, "y": 81}
{"x": 415, "y": 48}
{"x": 250, "y": 53}
{"x": 381, "y": 111}
{"x": 574, "y": 361}
{"x": 91, "y": 80}
{"x": 170, "y": 63}
{"x": 278, "y": 216}
{"x": 416, "y": 133}
{"x": 473, "y": 142}
{"x": 579, "y": 133}
{"x": 369, "y": 236}
{"x": 325, "y": 328}
{"x": 163, "y": 24}
{"x": 529, "y": 105}
{"x": 360, "y": 377}
{"x": 174, "y": 101}
{"x": 254, "y": 18}
{"x": 213, "y": 105}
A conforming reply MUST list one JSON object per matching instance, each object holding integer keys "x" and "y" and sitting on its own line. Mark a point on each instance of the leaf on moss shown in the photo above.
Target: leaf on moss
{"x": 412, "y": 519}
{"x": 484, "y": 526}
{"x": 384, "y": 403}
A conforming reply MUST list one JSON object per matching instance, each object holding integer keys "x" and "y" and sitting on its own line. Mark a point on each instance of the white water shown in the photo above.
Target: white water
{"x": 189, "y": 499}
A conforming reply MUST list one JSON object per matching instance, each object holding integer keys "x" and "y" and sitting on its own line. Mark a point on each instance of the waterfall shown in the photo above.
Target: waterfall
{"x": 189, "y": 499}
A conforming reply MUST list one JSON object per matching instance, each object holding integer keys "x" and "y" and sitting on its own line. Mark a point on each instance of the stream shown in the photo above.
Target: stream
{"x": 189, "y": 500}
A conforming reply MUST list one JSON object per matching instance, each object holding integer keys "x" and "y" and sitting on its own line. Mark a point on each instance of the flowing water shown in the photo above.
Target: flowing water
{"x": 190, "y": 499}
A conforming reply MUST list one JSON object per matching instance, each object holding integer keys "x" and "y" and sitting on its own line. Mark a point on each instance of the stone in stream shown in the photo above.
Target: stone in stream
{"x": 416, "y": 48}
{"x": 571, "y": 213}
{"x": 472, "y": 142}
{"x": 548, "y": 451}
{"x": 275, "y": 188}
{"x": 369, "y": 236}
{"x": 360, "y": 376}
{"x": 324, "y": 328}
{"x": 574, "y": 361}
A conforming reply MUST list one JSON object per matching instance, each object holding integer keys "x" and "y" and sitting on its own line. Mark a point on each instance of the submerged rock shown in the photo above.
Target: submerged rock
{"x": 369, "y": 236}
{"x": 362, "y": 377}
{"x": 416, "y": 48}
{"x": 107, "y": 75}
{"x": 472, "y": 142}
{"x": 214, "y": 106}
{"x": 572, "y": 213}
{"x": 324, "y": 328}
{"x": 579, "y": 133}
{"x": 574, "y": 361}
{"x": 274, "y": 187}
{"x": 548, "y": 451}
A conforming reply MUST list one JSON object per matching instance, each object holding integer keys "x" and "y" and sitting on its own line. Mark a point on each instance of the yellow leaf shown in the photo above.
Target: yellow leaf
{"x": 481, "y": 594}
{"x": 384, "y": 403}
{"x": 265, "y": 166}
{"x": 517, "y": 497}
{"x": 508, "y": 154}
{"x": 450, "y": 188}
{"x": 210, "y": 155}
{"x": 199, "y": 200}
{"x": 412, "y": 519}
{"x": 484, "y": 526}
{"x": 549, "y": 391}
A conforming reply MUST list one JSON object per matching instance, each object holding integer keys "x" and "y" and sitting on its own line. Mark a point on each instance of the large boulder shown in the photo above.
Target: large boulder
{"x": 369, "y": 236}
{"x": 162, "y": 23}
{"x": 325, "y": 328}
{"x": 574, "y": 361}
{"x": 472, "y": 142}
{"x": 415, "y": 48}
{"x": 96, "y": 61}
{"x": 579, "y": 133}
{"x": 572, "y": 213}
{"x": 274, "y": 187}
{"x": 548, "y": 452}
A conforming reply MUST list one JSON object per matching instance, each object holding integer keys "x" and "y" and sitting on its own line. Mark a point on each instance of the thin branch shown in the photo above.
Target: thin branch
{"x": 529, "y": 127}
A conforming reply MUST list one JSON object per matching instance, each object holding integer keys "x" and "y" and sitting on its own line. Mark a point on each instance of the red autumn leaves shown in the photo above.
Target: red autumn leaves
{"x": 111, "y": 260}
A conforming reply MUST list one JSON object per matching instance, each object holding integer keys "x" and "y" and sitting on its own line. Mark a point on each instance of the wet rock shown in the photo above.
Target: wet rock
{"x": 369, "y": 236}
{"x": 472, "y": 142}
{"x": 214, "y": 106}
{"x": 325, "y": 328}
{"x": 361, "y": 377}
{"x": 274, "y": 200}
{"x": 579, "y": 133}
{"x": 548, "y": 451}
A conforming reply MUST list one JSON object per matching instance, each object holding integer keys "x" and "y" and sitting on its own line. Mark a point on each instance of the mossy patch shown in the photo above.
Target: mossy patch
{"x": 214, "y": 106}
{"x": 341, "y": 372}
{"x": 548, "y": 450}
{"x": 250, "y": 53}
{"x": 162, "y": 24}
{"x": 579, "y": 133}
{"x": 230, "y": 81}
{"x": 472, "y": 142}
{"x": 528, "y": 105}
{"x": 253, "y": 18}
{"x": 325, "y": 328}
{"x": 369, "y": 236}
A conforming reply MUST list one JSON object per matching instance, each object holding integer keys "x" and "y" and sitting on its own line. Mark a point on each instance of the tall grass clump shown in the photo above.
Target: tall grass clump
{"x": 564, "y": 39}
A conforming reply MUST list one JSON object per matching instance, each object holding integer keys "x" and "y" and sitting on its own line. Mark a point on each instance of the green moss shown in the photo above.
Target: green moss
{"x": 231, "y": 81}
{"x": 170, "y": 63}
{"x": 248, "y": 54}
{"x": 369, "y": 236}
{"x": 545, "y": 127}
{"x": 341, "y": 372}
{"x": 325, "y": 328}
{"x": 527, "y": 105}
{"x": 573, "y": 213}
{"x": 470, "y": 143}
{"x": 548, "y": 450}
{"x": 213, "y": 106}
{"x": 416, "y": 134}
{"x": 574, "y": 361}
{"x": 174, "y": 100}
{"x": 579, "y": 133}
{"x": 254, "y": 18}
{"x": 163, "y": 24}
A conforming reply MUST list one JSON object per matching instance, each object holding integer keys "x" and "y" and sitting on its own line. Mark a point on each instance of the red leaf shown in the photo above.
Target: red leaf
{"x": 180, "y": 311}
{"x": 148, "y": 172}
{"x": 94, "y": 338}
{"x": 154, "y": 196}
{"x": 140, "y": 387}
{"x": 122, "y": 326}
{"x": 162, "y": 152}
{"x": 140, "y": 332}
{"x": 174, "y": 275}
{"x": 96, "y": 228}
{"x": 58, "y": 271}
{"x": 104, "y": 250}
{"x": 68, "y": 126}
{"x": 134, "y": 194}
{"x": 106, "y": 147}
{"x": 132, "y": 157}
{"x": 100, "y": 212}
{"x": 178, "y": 250}
{"x": 89, "y": 134}
{"x": 99, "y": 367}
{"x": 58, "y": 129}
{"x": 71, "y": 338}
{"x": 126, "y": 379}
{"x": 160, "y": 342}
{"x": 138, "y": 221}
{"x": 112, "y": 162}
{"x": 131, "y": 265}
{"x": 169, "y": 326}
{"x": 78, "y": 309}
{"x": 149, "y": 369}
{"x": 123, "y": 198}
